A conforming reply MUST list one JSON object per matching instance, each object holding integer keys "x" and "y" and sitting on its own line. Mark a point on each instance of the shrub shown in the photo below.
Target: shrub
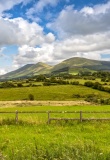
{"x": 7, "y": 85}
{"x": 75, "y": 83}
{"x": 76, "y": 96}
{"x": 31, "y": 97}
{"x": 92, "y": 98}
{"x": 88, "y": 84}
{"x": 46, "y": 84}
{"x": 105, "y": 101}
{"x": 19, "y": 85}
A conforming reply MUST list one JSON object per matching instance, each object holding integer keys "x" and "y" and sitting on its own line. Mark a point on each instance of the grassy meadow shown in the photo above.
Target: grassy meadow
{"x": 33, "y": 139}
{"x": 57, "y": 92}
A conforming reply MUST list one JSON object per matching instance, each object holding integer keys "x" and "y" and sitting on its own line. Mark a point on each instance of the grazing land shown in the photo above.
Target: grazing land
{"x": 32, "y": 138}
{"x": 56, "y": 93}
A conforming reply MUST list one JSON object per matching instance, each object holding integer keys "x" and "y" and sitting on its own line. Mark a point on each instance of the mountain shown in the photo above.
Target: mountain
{"x": 72, "y": 65}
{"x": 28, "y": 71}
{"x": 77, "y": 64}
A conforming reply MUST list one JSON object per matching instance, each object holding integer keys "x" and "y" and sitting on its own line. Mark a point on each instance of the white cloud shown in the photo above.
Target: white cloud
{"x": 9, "y": 4}
{"x": 38, "y": 7}
{"x": 89, "y": 46}
{"x": 41, "y": 4}
{"x": 1, "y": 52}
{"x": 28, "y": 54}
{"x": 2, "y": 49}
{"x": 73, "y": 22}
{"x": 20, "y": 32}
{"x": 2, "y": 71}
{"x": 50, "y": 38}
{"x": 97, "y": 9}
{"x": 81, "y": 33}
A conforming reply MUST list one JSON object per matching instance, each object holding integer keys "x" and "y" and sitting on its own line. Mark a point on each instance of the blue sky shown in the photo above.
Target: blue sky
{"x": 50, "y": 31}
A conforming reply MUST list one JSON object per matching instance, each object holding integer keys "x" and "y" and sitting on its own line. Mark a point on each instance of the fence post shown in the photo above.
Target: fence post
{"x": 80, "y": 116}
{"x": 16, "y": 116}
{"x": 48, "y": 117}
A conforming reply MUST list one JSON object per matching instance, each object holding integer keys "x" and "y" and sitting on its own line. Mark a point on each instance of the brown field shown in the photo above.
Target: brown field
{"x": 41, "y": 103}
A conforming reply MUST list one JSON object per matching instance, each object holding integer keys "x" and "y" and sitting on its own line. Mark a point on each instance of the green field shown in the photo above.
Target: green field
{"x": 33, "y": 139}
{"x": 58, "y": 92}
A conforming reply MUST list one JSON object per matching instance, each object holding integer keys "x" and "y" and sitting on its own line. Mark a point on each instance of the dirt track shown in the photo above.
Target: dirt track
{"x": 41, "y": 103}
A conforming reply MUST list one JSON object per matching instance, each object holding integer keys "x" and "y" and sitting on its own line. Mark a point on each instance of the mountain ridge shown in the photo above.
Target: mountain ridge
{"x": 70, "y": 65}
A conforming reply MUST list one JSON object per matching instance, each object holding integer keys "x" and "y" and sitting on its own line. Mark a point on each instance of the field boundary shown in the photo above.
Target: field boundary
{"x": 80, "y": 118}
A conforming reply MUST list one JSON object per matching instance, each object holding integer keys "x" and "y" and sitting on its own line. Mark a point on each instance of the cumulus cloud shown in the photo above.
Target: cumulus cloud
{"x": 43, "y": 3}
{"x": 81, "y": 33}
{"x": 8, "y": 4}
{"x": 28, "y": 37}
{"x": 20, "y": 32}
{"x": 2, "y": 49}
{"x": 40, "y": 5}
{"x": 90, "y": 46}
{"x": 38, "y": 8}
{"x": 97, "y": 9}
{"x": 86, "y": 21}
{"x": 28, "y": 54}
{"x": 2, "y": 71}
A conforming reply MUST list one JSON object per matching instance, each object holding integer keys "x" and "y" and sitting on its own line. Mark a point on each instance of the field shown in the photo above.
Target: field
{"x": 32, "y": 138}
{"x": 57, "y": 93}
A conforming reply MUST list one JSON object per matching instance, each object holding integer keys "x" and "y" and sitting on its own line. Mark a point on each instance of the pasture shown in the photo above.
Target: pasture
{"x": 32, "y": 138}
{"x": 57, "y": 93}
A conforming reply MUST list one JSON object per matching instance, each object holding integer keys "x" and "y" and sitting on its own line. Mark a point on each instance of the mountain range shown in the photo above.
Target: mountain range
{"x": 72, "y": 66}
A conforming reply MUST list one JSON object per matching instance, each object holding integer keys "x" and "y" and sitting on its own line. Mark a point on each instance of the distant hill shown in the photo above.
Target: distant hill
{"x": 28, "y": 70}
{"x": 77, "y": 64}
{"x": 72, "y": 65}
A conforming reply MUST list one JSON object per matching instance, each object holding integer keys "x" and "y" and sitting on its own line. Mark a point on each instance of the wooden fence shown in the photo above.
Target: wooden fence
{"x": 50, "y": 118}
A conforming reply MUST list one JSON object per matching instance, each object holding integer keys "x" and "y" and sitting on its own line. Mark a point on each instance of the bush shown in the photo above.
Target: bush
{"x": 92, "y": 98}
{"x": 88, "y": 84}
{"x": 75, "y": 83}
{"x": 19, "y": 85}
{"x": 76, "y": 96}
{"x": 31, "y": 97}
{"x": 105, "y": 101}
{"x": 7, "y": 85}
{"x": 46, "y": 84}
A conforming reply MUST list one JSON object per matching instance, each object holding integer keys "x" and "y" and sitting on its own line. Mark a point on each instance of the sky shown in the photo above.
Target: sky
{"x": 51, "y": 31}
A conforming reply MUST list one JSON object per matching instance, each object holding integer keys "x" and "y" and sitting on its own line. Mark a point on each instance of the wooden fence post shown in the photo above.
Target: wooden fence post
{"x": 48, "y": 117}
{"x": 16, "y": 117}
{"x": 80, "y": 116}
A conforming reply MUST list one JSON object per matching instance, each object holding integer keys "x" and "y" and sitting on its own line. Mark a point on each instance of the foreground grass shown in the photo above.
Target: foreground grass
{"x": 90, "y": 140}
{"x": 57, "y": 141}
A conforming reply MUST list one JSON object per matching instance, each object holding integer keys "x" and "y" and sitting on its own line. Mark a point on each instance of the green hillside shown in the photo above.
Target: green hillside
{"x": 72, "y": 65}
{"x": 81, "y": 64}
{"x": 28, "y": 71}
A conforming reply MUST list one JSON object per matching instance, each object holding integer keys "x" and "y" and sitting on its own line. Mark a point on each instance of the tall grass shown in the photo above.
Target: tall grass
{"x": 60, "y": 142}
{"x": 57, "y": 141}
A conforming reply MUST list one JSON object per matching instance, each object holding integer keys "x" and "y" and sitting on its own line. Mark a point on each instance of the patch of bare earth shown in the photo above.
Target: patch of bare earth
{"x": 41, "y": 103}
